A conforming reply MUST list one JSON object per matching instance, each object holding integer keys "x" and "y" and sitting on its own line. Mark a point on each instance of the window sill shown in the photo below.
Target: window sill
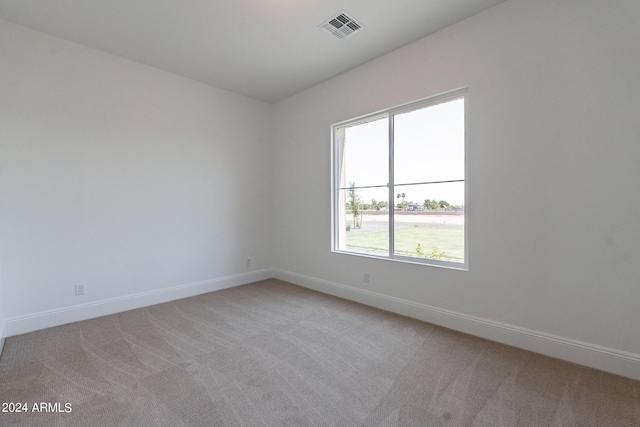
{"x": 408, "y": 260}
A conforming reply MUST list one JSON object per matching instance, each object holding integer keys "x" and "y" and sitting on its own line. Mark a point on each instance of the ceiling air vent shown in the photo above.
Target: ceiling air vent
{"x": 341, "y": 25}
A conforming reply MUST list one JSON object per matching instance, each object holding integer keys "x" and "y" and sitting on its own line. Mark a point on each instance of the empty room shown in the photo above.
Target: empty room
{"x": 306, "y": 213}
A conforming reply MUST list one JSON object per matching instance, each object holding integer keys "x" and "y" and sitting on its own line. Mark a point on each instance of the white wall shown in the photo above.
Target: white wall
{"x": 554, "y": 149}
{"x": 124, "y": 178}
{"x": 2, "y": 321}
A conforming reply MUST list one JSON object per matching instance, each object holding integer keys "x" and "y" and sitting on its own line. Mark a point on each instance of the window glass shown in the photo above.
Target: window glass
{"x": 400, "y": 184}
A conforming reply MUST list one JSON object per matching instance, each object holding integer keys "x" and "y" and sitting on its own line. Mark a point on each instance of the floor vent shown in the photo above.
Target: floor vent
{"x": 341, "y": 25}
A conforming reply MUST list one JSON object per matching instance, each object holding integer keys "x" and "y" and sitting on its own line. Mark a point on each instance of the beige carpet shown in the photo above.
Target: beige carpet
{"x": 274, "y": 354}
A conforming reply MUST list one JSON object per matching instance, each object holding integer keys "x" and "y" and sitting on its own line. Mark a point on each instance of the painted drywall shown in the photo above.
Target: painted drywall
{"x": 2, "y": 321}
{"x": 554, "y": 148}
{"x": 123, "y": 178}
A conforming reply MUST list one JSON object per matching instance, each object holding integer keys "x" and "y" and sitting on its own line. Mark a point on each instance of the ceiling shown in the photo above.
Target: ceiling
{"x": 264, "y": 49}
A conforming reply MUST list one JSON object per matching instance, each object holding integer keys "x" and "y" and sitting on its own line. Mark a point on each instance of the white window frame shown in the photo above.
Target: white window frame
{"x": 338, "y": 229}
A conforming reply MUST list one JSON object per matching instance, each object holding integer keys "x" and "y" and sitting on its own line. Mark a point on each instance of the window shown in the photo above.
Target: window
{"x": 398, "y": 180}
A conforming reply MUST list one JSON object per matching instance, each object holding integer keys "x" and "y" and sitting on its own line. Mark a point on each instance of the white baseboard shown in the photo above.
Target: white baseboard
{"x": 47, "y": 319}
{"x": 586, "y": 354}
{"x": 591, "y": 355}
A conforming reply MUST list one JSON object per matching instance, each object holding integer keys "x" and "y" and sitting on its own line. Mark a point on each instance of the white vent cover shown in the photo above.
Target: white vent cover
{"x": 341, "y": 25}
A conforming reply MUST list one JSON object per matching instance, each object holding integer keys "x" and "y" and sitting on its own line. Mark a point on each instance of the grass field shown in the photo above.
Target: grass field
{"x": 447, "y": 241}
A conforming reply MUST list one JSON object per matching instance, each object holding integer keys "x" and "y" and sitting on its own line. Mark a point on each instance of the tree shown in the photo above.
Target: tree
{"x": 354, "y": 205}
{"x": 430, "y": 204}
{"x": 403, "y": 204}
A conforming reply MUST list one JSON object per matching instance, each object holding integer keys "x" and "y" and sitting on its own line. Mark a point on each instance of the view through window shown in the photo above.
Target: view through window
{"x": 399, "y": 183}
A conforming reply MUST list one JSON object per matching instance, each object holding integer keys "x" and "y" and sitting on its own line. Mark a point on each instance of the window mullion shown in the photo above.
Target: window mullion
{"x": 391, "y": 189}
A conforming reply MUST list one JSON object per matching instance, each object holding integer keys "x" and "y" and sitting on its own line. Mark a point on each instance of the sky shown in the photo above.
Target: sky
{"x": 428, "y": 146}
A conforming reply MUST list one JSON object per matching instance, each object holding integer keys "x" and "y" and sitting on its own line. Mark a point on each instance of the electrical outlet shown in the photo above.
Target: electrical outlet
{"x": 248, "y": 262}
{"x": 366, "y": 278}
{"x": 79, "y": 290}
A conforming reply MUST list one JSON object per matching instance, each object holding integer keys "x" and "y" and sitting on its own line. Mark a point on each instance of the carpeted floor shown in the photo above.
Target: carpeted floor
{"x": 274, "y": 354}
